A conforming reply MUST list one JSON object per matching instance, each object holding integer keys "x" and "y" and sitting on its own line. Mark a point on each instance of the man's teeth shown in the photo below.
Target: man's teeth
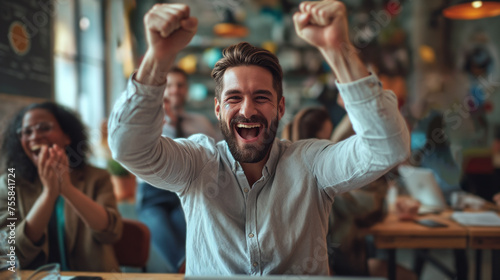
{"x": 247, "y": 125}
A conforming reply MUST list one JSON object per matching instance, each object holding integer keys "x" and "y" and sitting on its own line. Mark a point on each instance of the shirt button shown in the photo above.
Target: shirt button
{"x": 250, "y": 235}
{"x": 245, "y": 190}
{"x": 255, "y": 264}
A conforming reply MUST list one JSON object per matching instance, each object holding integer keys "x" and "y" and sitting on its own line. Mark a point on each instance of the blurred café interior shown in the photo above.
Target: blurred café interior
{"x": 440, "y": 62}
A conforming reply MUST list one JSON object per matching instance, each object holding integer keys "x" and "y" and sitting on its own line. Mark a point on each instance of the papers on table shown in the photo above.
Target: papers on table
{"x": 482, "y": 219}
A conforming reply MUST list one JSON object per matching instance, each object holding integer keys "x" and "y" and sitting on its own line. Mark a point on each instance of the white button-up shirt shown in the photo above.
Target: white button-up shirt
{"x": 278, "y": 225}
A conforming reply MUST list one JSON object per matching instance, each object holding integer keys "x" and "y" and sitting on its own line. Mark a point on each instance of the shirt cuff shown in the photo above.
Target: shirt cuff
{"x": 360, "y": 90}
{"x": 149, "y": 91}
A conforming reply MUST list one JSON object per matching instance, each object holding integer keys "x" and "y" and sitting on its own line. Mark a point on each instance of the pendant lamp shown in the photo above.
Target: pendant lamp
{"x": 230, "y": 27}
{"x": 469, "y": 10}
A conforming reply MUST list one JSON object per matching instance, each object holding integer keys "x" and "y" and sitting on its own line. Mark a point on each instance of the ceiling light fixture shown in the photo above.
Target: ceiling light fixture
{"x": 230, "y": 27}
{"x": 469, "y": 10}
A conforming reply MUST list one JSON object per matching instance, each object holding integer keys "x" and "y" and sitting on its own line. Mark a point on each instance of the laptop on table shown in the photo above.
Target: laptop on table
{"x": 422, "y": 185}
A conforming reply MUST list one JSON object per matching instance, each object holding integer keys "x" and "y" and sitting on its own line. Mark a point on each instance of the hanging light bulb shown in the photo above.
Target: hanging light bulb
{"x": 472, "y": 10}
{"x": 230, "y": 27}
{"x": 477, "y": 4}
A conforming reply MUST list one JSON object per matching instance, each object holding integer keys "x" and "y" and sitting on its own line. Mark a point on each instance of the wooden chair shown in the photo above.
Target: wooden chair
{"x": 133, "y": 248}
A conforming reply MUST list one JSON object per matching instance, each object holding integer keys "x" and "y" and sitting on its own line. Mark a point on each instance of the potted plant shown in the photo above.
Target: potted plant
{"x": 124, "y": 182}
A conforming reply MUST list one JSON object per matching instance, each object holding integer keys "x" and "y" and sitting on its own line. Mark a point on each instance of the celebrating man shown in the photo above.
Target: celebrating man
{"x": 254, "y": 204}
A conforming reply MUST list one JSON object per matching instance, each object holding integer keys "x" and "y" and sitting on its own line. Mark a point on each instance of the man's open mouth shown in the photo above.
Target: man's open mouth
{"x": 249, "y": 131}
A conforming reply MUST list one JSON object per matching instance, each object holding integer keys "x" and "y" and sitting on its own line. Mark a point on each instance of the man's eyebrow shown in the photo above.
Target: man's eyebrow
{"x": 263, "y": 91}
{"x": 237, "y": 91}
{"x": 231, "y": 91}
{"x": 259, "y": 91}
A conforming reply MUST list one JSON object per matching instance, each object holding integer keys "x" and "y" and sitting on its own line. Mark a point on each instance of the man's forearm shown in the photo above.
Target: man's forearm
{"x": 152, "y": 71}
{"x": 345, "y": 63}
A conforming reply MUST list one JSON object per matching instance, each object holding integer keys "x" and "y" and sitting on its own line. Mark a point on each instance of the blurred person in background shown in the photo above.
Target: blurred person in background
{"x": 180, "y": 123}
{"x": 436, "y": 154}
{"x": 65, "y": 208}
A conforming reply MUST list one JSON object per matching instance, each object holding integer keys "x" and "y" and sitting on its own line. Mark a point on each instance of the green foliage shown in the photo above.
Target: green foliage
{"x": 114, "y": 168}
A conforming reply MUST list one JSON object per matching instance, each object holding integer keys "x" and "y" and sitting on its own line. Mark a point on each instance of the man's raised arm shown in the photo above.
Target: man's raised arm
{"x": 381, "y": 139}
{"x": 169, "y": 28}
{"x": 135, "y": 123}
{"x": 324, "y": 26}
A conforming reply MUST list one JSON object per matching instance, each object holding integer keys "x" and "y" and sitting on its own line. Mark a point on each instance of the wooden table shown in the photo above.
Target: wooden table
{"x": 486, "y": 238}
{"x": 116, "y": 276}
{"x": 392, "y": 234}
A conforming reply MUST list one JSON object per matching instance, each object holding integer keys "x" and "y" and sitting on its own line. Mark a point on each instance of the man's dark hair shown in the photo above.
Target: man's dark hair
{"x": 13, "y": 155}
{"x": 244, "y": 54}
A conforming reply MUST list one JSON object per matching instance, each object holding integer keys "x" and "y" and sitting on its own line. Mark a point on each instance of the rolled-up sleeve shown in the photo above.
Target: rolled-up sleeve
{"x": 135, "y": 141}
{"x": 138, "y": 109}
{"x": 380, "y": 143}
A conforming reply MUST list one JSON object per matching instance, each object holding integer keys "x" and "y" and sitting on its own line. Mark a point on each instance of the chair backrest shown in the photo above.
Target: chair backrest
{"x": 133, "y": 248}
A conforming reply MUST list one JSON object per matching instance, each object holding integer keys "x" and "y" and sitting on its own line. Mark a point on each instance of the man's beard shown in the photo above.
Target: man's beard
{"x": 250, "y": 153}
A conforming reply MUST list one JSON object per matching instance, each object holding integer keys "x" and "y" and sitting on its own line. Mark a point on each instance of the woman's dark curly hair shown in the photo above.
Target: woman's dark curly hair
{"x": 13, "y": 155}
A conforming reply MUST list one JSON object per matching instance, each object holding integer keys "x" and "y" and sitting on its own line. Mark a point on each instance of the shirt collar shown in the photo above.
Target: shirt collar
{"x": 270, "y": 165}
{"x": 272, "y": 161}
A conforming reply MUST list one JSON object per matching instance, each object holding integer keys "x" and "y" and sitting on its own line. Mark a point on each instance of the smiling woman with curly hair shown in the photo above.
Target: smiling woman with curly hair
{"x": 12, "y": 149}
{"x": 66, "y": 210}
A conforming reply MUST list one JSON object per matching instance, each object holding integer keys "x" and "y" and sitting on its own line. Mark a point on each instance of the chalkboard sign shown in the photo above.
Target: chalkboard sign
{"x": 26, "y": 52}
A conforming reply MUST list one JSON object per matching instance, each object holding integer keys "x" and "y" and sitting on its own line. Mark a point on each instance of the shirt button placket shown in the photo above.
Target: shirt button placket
{"x": 251, "y": 232}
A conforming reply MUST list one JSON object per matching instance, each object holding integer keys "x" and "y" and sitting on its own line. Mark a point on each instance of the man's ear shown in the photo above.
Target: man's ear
{"x": 281, "y": 107}
{"x": 217, "y": 108}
